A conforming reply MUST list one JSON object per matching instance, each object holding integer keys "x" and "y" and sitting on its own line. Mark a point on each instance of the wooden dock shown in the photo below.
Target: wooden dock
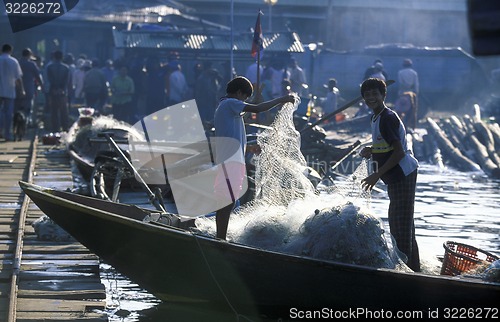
{"x": 41, "y": 280}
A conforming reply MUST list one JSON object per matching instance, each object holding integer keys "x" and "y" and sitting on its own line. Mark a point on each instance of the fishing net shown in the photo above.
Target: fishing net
{"x": 289, "y": 214}
{"x": 78, "y": 136}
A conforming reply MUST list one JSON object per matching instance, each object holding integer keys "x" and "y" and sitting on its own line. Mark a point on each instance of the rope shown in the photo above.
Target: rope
{"x": 238, "y": 316}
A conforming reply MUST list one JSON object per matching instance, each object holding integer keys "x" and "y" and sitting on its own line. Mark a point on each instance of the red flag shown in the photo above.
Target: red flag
{"x": 257, "y": 37}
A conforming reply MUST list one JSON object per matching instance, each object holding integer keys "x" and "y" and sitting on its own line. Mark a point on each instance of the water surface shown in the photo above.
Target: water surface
{"x": 450, "y": 206}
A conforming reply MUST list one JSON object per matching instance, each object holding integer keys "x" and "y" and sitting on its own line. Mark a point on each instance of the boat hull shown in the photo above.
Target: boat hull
{"x": 177, "y": 265}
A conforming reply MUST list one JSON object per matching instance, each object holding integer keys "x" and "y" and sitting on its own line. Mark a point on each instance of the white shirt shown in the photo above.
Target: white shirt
{"x": 10, "y": 71}
{"x": 408, "y": 81}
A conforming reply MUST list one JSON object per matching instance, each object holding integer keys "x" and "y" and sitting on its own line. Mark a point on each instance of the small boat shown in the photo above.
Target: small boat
{"x": 102, "y": 164}
{"x": 179, "y": 265}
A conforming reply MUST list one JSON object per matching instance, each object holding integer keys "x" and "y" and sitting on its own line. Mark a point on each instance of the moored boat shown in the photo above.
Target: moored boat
{"x": 178, "y": 265}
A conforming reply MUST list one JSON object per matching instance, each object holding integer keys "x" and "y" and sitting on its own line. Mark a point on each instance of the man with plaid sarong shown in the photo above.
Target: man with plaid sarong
{"x": 394, "y": 163}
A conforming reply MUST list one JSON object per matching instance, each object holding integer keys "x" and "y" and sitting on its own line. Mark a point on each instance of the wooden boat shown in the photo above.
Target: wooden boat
{"x": 178, "y": 265}
{"x": 102, "y": 165}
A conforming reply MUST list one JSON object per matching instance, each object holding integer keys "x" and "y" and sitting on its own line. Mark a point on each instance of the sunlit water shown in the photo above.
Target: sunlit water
{"x": 450, "y": 205}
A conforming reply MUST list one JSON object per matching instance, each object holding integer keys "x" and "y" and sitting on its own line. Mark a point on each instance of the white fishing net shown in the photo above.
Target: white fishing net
{"x": 290, "y": 215}
{"x": 78, "y": 136}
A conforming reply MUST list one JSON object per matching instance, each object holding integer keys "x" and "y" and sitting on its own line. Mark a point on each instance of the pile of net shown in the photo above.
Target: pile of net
{"x": 78, "y": 136}
{"x": 46, "y": 229}
{"x": 292, "y": 216}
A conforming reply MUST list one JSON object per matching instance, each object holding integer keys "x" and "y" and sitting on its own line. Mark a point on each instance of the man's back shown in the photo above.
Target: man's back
{"x": 94, "y": 81}
{"x": 58, "y": 75}
{"x": 31, "y": 73}
{"x": 408, "y": 80}
{"x": 10, "y": 71}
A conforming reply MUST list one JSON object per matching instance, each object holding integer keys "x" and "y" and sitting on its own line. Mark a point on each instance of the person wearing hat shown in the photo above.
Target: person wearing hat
{"x": 407, "y": 103}
{"x": 408, "y": 78}
{"x": 32, "y": 78}
{"x": 378, "y": 70}
{"x": 372, "y": 70}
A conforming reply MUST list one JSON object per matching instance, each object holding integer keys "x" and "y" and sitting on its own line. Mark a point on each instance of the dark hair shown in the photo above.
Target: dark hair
{"x": 239, "y": 83}
{"x": 58, "y": 55}
{"x": 27, "y": 52}
{"x": 7, "y": 48}
{"x": 374, "y": 83}
{"x": 69, "y": 58}
{"x": 332, "y": 82}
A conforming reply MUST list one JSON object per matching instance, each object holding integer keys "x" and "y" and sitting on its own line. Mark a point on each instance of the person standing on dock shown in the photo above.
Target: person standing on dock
{"x": 32, "y": 78}
{"x": 11, "y": 86}
{"x": 59, "y": 77}
{"x": 228, "y": 121}
{"x": 95, "y": 87}
{"x": 408, "y": 78}
{"x": 393, "y": 162}
{"x": 407, "y": 103}
{"x": 122, "y": 89}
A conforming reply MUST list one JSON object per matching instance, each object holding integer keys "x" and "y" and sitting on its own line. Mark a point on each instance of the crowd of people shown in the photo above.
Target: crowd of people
{"x": 127, "y": 89}
{"x": 134, "y": 87}
{"x": 408, "y": 87}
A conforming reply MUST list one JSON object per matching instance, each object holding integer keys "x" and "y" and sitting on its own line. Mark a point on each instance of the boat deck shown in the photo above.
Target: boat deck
{"x": 41, "y": 280}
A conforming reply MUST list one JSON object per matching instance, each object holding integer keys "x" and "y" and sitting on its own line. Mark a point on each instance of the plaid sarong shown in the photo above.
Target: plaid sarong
{"x": 402, "y": 227}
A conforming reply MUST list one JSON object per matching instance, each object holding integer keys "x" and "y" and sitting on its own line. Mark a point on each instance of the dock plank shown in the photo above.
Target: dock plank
{"x": 53, "y": 248}
{"x": 56, "y": 305}
{"x": 58, "y": 281}
{"x": 60, "y": 256}
{"x": 75, "y": 285}
{"x": 64, "y": 295}
{"x": 61, "y": 317}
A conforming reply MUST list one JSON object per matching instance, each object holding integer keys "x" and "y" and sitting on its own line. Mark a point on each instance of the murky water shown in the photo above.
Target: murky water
{"x": 450, "y": 205}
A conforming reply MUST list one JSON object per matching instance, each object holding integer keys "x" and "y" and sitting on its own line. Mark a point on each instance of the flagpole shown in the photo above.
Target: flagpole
{"x": 257, "y": 44}
{"x": 258, "y": 72}
{"x": 231, "y": 55}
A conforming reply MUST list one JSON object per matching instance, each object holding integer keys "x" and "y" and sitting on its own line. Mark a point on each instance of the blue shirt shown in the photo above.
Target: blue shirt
{"x": 30, "y": 74}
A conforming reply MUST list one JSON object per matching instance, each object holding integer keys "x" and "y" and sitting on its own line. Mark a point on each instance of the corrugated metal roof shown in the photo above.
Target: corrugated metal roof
{"x": 133, "y": 11}
{"x": 195, "y": 40}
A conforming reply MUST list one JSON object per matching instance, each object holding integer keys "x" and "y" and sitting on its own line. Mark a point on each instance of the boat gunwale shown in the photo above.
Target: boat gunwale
{"x": 148, "y": 226}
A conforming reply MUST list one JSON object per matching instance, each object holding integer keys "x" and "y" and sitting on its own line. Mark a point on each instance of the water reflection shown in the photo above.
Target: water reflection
{"x": 450, "y": 205}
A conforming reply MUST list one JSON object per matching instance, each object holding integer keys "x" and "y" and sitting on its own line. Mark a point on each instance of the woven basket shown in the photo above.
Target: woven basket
{"x": 460, "y": 258}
